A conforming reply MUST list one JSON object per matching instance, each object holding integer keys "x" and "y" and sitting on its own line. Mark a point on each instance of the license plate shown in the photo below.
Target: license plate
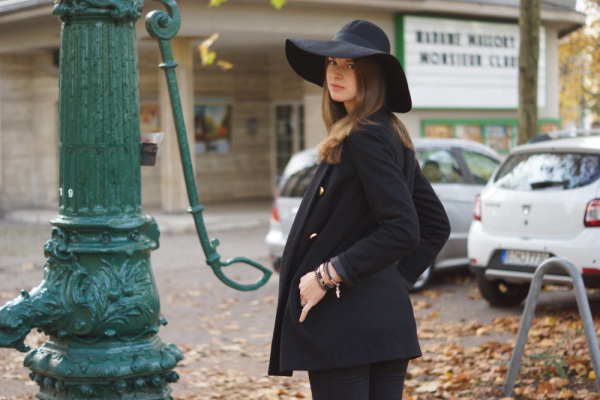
{"x": 523, "y": 258}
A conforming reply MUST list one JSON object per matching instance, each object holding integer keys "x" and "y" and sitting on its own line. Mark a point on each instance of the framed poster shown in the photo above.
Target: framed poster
{"x": 212, "y": 128}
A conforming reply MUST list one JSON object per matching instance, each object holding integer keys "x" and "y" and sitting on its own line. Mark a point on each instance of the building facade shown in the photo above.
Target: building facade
{"x": 248, "y": 112}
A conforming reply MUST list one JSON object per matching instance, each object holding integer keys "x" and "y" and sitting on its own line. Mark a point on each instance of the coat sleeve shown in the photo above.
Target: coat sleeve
{"x": 434, "y": 229}
{"x": 379, "y": 168}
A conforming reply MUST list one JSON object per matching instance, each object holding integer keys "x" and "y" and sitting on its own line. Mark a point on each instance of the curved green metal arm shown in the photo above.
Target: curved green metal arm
{"x": 164, "y": 27}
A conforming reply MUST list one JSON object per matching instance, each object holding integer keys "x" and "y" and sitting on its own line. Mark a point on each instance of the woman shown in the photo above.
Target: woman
{"x": 368, "y": 226}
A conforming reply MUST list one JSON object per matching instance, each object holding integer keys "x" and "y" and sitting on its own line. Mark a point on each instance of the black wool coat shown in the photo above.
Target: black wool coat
{"x": 376, "y": 217}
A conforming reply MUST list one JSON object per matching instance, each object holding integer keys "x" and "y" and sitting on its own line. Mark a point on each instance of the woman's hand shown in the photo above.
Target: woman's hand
{"x": 310, "y": 293}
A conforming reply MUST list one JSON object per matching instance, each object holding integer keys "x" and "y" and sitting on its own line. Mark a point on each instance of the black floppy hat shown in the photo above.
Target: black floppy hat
{"x": 356, "y": 39}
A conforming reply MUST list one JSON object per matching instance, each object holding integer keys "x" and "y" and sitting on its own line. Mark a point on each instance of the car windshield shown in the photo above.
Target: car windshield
{"x": 298, "y": 182}
{"x": 548, "y": 171}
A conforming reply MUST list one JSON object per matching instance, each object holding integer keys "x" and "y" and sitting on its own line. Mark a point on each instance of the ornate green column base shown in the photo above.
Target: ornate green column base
{"x": 99, "y": 304}
{"x": 98, "y": 300}
{"x": 140, "y": 369}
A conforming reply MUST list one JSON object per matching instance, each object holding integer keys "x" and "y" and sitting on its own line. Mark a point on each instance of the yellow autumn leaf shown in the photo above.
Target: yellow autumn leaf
{"x": 278, "y": 4}
{"x": 225, "y": 65}
{"x": 210, "y": 40}
{"x": 216, "y": 3}
{"x": 209, "y": 58}
{"x": 592, "y": 375}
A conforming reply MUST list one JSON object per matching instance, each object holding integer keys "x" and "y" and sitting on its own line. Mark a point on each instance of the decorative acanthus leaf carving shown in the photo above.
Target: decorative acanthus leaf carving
{"x": 115, "y": 294}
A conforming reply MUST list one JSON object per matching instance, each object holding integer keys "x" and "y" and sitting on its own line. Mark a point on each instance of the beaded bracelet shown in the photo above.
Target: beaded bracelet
{"x": 320, "y": 280}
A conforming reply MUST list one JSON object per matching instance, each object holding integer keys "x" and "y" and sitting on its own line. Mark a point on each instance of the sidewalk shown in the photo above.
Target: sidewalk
{"x": 225, "y": 334}
{"x": 217, "y": 216}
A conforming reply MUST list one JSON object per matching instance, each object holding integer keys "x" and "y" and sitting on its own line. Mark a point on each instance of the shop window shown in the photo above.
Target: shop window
{"x": 289, "y": 133}
{"x": 498, "y": 137}
{"x": 212, "y": 128}
{"x": 470, "y": 132}
{"x": 439, "y": 131}
{"x": 498, "y": 134}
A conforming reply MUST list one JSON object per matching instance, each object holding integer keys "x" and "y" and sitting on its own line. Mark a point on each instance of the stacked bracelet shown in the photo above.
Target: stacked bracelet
{"x": 324, "y": 279}
{"x": 337, "y": 284}
{"x": 320, "y": 280}
{"x": 326, "y": 269}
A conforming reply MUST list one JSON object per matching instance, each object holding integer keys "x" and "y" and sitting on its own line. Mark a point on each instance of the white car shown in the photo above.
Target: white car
{"x": 457, "y": 170}
{"x": 543, "y": 201}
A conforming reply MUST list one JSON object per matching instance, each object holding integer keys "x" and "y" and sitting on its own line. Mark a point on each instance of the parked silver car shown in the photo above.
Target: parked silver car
{"x": 457, "y": 170}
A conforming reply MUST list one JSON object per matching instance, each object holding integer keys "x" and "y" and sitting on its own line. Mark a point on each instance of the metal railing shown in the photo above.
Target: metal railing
{"x": 530, "y": 305}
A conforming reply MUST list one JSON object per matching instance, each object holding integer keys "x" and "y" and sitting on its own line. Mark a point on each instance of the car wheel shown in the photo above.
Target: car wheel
{"x": 423, "y": 280}
{"x": 502, "y": 294}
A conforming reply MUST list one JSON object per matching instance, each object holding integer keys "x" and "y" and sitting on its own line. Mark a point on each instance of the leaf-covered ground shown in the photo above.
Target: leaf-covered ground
{"x": 555, "y": 365}
{"x": 556, "y": 362}
{"x": 225, "y": 335}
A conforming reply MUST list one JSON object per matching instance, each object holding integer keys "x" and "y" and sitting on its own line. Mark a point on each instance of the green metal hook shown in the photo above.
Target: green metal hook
{"x": 163, "y": 27}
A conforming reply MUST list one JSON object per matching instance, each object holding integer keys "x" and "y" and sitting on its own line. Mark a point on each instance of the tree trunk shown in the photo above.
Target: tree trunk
{"x": 529, "y": 23}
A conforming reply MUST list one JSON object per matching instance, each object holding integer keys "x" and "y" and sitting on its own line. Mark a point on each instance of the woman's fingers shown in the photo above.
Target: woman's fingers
{"x": 310, "y": 293}
{"x": 305, "y": 311}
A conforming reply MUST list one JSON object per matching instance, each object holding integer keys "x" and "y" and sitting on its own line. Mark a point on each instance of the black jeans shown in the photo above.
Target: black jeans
{"x": 379, "y": 381}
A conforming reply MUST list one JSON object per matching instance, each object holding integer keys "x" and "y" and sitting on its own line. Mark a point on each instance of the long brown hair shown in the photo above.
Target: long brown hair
{"x": 370, "y": 99}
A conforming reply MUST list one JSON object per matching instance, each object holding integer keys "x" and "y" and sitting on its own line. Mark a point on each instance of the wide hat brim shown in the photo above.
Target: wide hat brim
{"x": 307, "y": 58}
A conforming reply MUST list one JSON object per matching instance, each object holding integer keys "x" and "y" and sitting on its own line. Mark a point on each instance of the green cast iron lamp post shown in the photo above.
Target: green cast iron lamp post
{"x": 98, "y": 300}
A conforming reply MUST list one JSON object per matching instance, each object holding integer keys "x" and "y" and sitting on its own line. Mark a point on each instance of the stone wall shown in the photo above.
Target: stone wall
{"x": 29, "y": 131}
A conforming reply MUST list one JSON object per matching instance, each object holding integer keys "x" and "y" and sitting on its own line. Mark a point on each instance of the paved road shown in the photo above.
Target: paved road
{"x": 220, "y": 326}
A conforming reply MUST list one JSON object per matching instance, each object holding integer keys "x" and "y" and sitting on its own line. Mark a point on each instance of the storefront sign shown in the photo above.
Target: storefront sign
{"x": 456, "y": 64}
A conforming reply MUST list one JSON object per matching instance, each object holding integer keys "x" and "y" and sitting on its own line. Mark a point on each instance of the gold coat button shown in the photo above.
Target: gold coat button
{"x": 314, "y": 235}
{"x": 321, "y": 191}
